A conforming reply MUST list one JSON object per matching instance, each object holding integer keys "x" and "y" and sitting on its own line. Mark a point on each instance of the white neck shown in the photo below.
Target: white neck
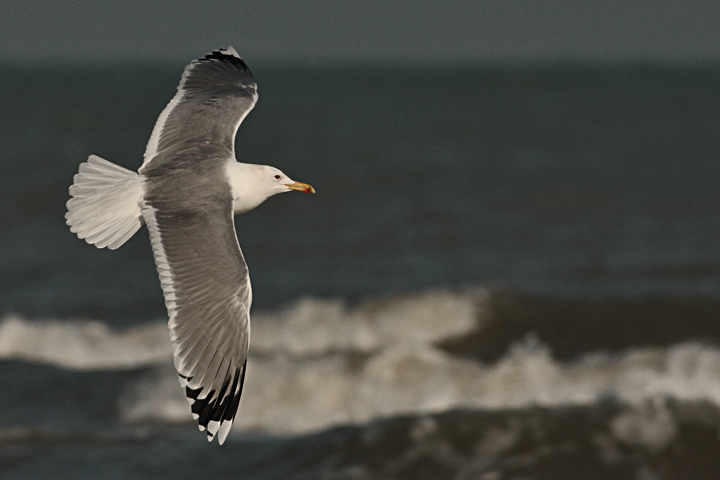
{"x": 247, "y": 185}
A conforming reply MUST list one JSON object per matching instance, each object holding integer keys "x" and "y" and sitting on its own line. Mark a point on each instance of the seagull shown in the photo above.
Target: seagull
{"x": 187, "y": 192}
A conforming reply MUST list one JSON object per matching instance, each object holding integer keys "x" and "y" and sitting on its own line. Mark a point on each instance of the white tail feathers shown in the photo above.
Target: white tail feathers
{"x": 105, "y": 208}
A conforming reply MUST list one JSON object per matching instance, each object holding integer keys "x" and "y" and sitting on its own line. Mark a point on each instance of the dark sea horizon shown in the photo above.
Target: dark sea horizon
{"x": 506, "y": 272}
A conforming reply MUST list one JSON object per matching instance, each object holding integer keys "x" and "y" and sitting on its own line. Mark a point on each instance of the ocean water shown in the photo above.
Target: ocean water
{"x": 506, "y": 273}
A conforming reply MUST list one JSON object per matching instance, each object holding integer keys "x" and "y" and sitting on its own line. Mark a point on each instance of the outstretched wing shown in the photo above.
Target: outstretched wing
{"x": 215, "y": 94}
{"x": 189, "y": 213}
{"x": 207, "y": 293}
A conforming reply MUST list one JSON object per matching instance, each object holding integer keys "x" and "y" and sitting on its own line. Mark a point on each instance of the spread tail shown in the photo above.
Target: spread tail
{"x": 105, "y": 208}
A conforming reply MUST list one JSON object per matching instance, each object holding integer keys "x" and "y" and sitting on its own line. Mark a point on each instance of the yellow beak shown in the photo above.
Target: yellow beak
{"x": 300, "y": 187}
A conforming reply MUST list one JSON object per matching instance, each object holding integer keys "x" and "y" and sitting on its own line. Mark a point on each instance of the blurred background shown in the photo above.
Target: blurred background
{"x": 511, "y": 269}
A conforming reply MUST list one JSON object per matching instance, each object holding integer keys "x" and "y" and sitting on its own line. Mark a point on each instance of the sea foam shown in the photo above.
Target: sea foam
{"x": 308, "y": 327}
{"x": 83, "y": 344}
{"x": 319, "y": 363}
{"x": 289, "y": 394}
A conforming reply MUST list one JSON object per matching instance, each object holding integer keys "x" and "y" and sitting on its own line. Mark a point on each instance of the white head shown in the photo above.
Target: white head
{"x": 253, "y": 184}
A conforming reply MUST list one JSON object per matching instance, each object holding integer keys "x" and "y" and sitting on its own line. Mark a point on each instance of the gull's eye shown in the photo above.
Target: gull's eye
{"x": 277, "y": 177}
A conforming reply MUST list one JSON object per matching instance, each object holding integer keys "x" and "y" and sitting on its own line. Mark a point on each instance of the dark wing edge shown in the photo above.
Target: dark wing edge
{"x": 220, "y": 70}
{"x": 216, "y": 412}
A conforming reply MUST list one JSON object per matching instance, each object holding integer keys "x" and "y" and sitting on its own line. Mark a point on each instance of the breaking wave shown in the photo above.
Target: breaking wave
{"x": 320, "y": 363}
{"x": 83, "y": 344}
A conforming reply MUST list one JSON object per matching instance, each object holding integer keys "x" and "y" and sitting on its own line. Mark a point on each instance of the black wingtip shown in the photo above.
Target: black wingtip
{"x": 221, "y": 407}
{"x": 228, "y": 55}
{"x": 221, "y": 72}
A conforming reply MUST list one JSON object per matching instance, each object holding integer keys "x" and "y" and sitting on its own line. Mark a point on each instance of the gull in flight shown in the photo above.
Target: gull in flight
{"x": 187, "y": 192}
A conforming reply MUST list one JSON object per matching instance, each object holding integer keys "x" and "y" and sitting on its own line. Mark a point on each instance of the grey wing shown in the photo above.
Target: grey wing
{"x": 215, "y": 94}
{"x": 207, "y": 293}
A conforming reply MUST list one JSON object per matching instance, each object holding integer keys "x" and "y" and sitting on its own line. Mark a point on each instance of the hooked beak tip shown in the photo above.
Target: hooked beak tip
{"x": 301, "y": 187}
